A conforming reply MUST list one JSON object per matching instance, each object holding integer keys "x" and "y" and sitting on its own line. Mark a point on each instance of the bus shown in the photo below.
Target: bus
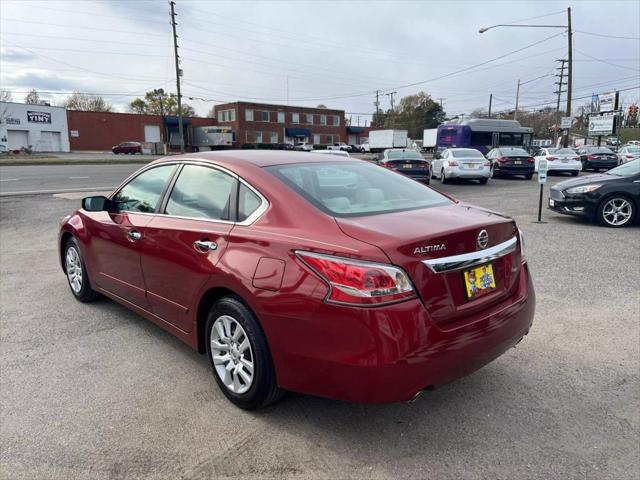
{"x": 483, "y": 134}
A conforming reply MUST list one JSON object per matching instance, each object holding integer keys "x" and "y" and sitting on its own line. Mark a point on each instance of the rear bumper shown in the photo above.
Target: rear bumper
{"x": 564, "y": 167}
{"x": 416, "y": 174}
{"x": 519, "y": 170}
{"x": 391, "y": 353}
{"x": 457, "y": 172}
{"x": 601, "y": 163}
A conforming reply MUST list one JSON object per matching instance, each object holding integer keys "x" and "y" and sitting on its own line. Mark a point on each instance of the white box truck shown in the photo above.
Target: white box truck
{"x": 380, "y": 140}
{"x": 212, "y": 138}
{"x": 429, "y": 140}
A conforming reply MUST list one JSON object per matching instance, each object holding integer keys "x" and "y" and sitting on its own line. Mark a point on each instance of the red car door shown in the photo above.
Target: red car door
{"x": 184, "y": 243}
{"x": 116, "y": 237}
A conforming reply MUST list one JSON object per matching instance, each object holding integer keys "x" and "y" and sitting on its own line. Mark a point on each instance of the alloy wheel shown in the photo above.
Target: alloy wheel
{"x": 232, "y": 354}
{"x": 73, "y": 265}
{"x": 617, "y": 211}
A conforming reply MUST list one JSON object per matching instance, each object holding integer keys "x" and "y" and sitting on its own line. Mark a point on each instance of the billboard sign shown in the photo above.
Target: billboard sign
{"x": 38, "y": 117}
{"x": 601, "y": 125}
{"x": 604, "y": 102}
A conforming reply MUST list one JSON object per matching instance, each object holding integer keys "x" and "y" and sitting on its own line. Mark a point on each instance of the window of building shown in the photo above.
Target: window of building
{"x": 323, "y": 119}
{"x": 258, "y": 137}
{"x": 201, "y": 192}
{"x": 248, "y": 202}
{"x": 248, "y": 115}
{"x": 336, "y": 120}
{"x": 264, "y": 116}
{"x": 316, "y": 139}
{"x": 227, "y": 115}
{"x": 273, "y": 137}
{"x": 309, "y": 119}
{"x": 295, "y": 118}
{"x": 280, "y": 117}
{"x": 143, "y": 192}
{"x": 331, "y": 139}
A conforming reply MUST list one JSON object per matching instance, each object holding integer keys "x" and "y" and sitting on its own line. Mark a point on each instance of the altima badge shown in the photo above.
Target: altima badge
{"x": 429, "y": 249}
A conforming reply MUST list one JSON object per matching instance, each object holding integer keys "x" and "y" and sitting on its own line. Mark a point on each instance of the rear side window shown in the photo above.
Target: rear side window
{"x": 348, "y": 189}
{"x": 248, "y": 202}
{"x": 201, "y": 192}
{"x": 143, "y": 192}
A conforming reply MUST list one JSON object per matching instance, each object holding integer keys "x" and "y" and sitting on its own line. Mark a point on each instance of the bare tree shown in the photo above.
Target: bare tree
{"x": 87, "y": 103}
{"x": 5, "y": 96}
{"x": 32, "y": 97}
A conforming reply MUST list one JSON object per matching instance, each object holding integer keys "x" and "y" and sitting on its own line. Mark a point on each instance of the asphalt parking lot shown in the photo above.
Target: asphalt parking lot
{"x": 94, "y": 391}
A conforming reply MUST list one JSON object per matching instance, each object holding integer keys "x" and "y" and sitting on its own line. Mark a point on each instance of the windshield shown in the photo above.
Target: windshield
{"x": 514, "y": 152}
{"x": 349, "y": 189}
{"x": 466, "y": 152}
{"x": 626, "y": 169}
{"x": 392, "y": 154}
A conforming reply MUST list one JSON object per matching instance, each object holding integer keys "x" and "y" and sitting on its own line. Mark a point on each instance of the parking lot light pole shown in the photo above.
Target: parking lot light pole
{"x": 569, "y": 55}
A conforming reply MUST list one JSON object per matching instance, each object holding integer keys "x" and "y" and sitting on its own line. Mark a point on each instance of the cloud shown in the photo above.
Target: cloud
{"x": 11, "y": 55}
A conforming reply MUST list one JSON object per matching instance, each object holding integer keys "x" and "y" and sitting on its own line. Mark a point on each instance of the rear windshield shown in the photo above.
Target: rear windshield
{"x": 514, "y": 152}
{"x": 467, "y": 152}
{"x": 392, "y": 154}
{"x": 600, "y": 150}
{"x": 349, "y": 189}
{"x": 565, "y": 151}
{"x": 633, "y": 149}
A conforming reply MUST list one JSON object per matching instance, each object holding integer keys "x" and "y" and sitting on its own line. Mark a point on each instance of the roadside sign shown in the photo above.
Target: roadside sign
{"x": 566, "y": 122}
{"x": 601, "y": 125}
{"x": 542, "y": 171}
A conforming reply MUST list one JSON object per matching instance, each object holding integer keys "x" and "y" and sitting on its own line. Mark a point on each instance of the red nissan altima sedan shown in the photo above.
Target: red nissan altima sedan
{"x": 336, "y": 278}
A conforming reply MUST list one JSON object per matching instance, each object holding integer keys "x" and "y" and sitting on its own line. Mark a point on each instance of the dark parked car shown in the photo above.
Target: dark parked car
{"x": 128, "y": 148}
{"x": 611, "y": 198}
{"x": 292, "y": 271}
{"x": 511, "y": 161}
{"x": 597, "y": 158}
{"x": 408, "y": 162}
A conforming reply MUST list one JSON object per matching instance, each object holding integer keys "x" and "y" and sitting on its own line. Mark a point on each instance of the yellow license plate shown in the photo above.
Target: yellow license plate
{"x": 479, "y": 281}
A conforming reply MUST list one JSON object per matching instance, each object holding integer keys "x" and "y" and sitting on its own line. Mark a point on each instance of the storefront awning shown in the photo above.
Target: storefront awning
{"x": 171, "y": 120}
{"x": 355, "y": 129}
{"x": 297, "y": 132}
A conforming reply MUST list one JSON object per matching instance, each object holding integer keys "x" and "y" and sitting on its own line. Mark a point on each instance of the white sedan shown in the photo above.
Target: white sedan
{"x": 465, "y": 163}
{"x": 628, "y": 153}
{"x": 559, "y": 160}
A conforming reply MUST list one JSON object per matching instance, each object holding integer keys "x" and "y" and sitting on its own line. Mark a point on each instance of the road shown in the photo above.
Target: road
{"x": 95, "y": 391}
{"x": 61, "y": 178}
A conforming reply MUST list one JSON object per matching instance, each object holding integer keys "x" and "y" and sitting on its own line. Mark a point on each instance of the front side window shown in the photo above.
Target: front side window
{"x": 248, "y": 202}
{"x": 201, "y": 192}
{"x": 348, "y": 189}
{"x": 248, "y": 115}
{"x": 143, "y": 192}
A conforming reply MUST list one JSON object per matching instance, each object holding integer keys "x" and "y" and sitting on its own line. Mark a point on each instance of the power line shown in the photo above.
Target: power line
{"x": 607, "y": 35}
{"x": 130, "y": 32}
{"x": 606, "y": 62}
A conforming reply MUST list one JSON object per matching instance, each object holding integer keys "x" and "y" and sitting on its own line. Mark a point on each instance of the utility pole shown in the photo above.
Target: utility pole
{"x": 490, "y": 102}
{"x": 559, "y": 92}
{"x": 569, "y": 72}
{"x": 393, "y": 115}
{"x": 441, "y": 107}
{"x": 377, "y": 104}
{"x": 178, "y": 74}
{"x": 515, "y": 112}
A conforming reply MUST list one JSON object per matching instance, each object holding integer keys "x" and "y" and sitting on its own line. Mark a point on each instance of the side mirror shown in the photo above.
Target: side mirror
{"x": 95, "y": 204}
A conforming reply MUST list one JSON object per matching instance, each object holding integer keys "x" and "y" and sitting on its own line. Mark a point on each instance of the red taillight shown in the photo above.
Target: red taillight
{"x": 531, "y": 160}
{"x": 629, "y": 156}
{"x": 590, "y": 157}
{"x": 453, "y": 163}
{"x": 551, "y": 159}
{"x": 487, "y": 163}
{"x": 357, "y": 282}
{"x": 502, "y": 159}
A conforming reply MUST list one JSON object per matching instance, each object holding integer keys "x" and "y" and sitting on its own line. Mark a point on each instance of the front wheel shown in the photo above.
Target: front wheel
{"x": 574, "y": 174}
{"x": 616, "y": 212}
{"x": 239, "y": 355}
{"x": 77, "y": 274}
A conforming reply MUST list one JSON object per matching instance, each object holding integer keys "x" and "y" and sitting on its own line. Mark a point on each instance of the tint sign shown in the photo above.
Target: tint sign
{"x": 38, "y": 117}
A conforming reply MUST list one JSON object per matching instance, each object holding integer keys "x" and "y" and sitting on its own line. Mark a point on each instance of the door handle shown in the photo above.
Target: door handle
{"x": 205, "y": 245}
{"x": 134, "y": 235}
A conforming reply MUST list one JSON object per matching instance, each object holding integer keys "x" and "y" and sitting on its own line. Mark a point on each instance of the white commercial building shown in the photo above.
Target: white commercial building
{"x": 41, "y": 127}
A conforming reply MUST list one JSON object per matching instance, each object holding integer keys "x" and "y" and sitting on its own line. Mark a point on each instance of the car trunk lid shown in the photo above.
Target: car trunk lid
{"x": 409, "y": 238}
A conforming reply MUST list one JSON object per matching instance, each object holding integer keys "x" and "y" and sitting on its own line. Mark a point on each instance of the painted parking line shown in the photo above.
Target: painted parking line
{"x": 9, "y": 179}
{"x": 77, "y": 178}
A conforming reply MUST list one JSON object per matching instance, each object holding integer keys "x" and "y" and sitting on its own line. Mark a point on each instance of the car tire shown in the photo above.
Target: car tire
{"x": 76, "y": 273}
{"x": 574, "y": 174}
{"x": 233, "y": 365}
{"x": 443, "y": 177}
{"x": 494, "y": 174}
{"x": 483, "y": 181}
{"x": 529, "y": 176}
{"x": 584, "y": 166}
{"x": 628, "y": 210}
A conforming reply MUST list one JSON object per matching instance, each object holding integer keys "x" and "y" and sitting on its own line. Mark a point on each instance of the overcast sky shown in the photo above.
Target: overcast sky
{"x": 334, "y": 53}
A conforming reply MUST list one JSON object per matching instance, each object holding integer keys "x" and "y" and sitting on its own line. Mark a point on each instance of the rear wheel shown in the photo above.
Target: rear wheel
{"x": 239, "y": 355}
{"x": 494, "y": 173}
{"x": 443, "y": 176}
{"x": 584, "y": 166}
{"x": 529, "y": 176}
{"x": 616, "y": 212}
{"x": 574, "y": 174}
{"x": 483, "y": 181}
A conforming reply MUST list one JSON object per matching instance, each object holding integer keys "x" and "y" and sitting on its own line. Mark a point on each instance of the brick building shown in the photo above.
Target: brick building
{"x": 103, "y": 130}
{"x": 279, "y": 124}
